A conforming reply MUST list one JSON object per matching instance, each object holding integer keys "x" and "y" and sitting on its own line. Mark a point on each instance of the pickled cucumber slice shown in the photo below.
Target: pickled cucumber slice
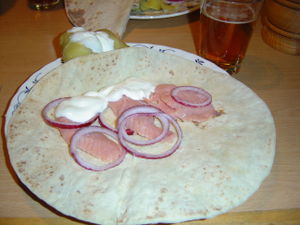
{"x": 64, "y": 39}
{"x": 167, "y": 7}
{"x": 150, "y": 5}
{"x": 73, "y": 50}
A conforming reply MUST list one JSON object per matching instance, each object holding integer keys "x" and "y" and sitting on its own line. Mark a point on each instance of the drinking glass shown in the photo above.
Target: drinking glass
{"x": 43, "y": 4}
{"x": 225, "y": 30}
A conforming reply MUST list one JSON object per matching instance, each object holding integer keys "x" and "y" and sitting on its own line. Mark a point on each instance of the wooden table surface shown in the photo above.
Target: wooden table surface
{"x": 29, "y": 40}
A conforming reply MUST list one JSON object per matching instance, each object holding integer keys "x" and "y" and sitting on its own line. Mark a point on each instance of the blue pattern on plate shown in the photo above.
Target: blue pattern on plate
{"x": 199, "y": 61}
{"x": 158, "y": 48}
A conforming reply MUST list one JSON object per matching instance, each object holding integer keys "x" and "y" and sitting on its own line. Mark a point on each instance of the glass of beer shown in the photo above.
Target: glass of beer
{"x": 225, "y": 30}
{"x": 43, "y": 4}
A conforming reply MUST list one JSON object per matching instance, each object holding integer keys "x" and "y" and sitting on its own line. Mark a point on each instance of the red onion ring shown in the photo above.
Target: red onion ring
{"x": 124, "y": 139}
{"x": 107, "y": 126}
{"x": 87, "y": 130}
{"x": 64, "y": 125}
{"x": 104, "y": 124}
{"x": 124, "y": 131}
{"x": 142, "y": 110}
{"x": 197, "y": 90}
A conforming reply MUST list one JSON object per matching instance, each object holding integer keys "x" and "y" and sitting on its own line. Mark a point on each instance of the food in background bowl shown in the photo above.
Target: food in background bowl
{"x": 149, "y": 5}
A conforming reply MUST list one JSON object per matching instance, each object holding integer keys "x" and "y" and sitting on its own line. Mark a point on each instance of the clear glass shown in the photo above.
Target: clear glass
{"x": 43, "y": 4}
{"x": 225, "y": 31}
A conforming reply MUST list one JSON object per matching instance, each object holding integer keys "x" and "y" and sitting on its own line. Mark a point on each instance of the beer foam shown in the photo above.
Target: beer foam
{"x": 235, "y": 14}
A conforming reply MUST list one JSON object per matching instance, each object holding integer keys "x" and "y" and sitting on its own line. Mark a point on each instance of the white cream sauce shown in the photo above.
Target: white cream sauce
{"x": 82, "y": 108}
{"x": 98, "y": 41}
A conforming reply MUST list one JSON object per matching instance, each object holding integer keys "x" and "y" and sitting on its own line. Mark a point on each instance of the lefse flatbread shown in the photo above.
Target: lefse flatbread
{"x": 99, "y": 14}
{"x": 220, "y": 163}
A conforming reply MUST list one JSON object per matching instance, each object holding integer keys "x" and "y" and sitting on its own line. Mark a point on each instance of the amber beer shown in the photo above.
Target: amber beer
{"x": 225, "y": 32}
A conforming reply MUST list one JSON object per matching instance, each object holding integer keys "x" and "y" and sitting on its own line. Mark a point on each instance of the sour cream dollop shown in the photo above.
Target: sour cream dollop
{"x": 82, "y": 108}
{"x": 98, "y": 41}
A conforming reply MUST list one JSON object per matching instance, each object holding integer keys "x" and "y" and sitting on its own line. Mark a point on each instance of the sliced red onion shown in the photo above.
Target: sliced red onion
{"x": 129, "y": 132}
{"x": 104, "y": 124}
{"x": 124, "y": 139}
{"x": 197, "y": 90}
{"x": 87, "y": 130}
{"x": 124, "y": 131}
{"x": 64, "y": 125}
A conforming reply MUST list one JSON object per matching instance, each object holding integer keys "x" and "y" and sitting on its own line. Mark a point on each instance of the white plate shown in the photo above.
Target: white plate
{"x": 182, "y": 8}
{"x": 25, "y": 88}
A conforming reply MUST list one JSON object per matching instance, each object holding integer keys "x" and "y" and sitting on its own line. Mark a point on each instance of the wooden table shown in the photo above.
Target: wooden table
{"x": 29, "y": 40}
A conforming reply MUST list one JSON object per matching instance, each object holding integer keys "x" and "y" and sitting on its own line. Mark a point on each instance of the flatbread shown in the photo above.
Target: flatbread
{"x": 99, "y": 14}
{"x": 219, "y": 165}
